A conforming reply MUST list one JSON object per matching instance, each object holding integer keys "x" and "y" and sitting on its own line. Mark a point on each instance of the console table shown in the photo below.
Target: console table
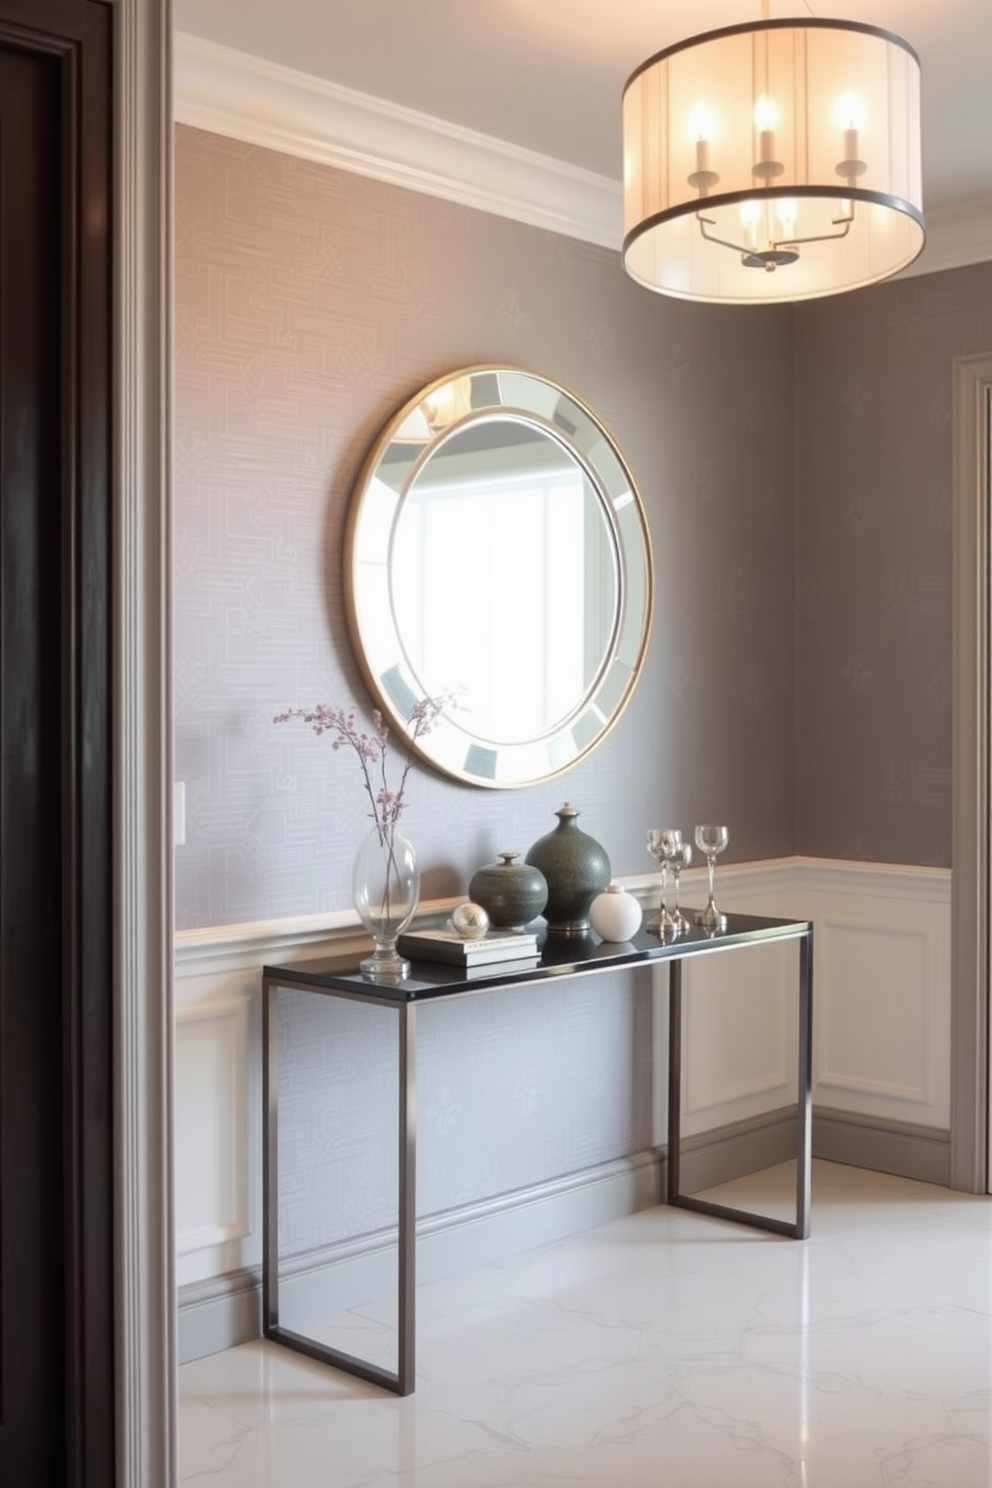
{"x": 570, "y": 956}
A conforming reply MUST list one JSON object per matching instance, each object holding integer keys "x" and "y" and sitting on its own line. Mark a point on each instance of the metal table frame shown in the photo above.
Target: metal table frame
{"x": 432, "y": 982}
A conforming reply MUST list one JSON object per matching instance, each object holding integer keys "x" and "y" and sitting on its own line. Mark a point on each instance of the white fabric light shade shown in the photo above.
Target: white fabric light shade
{"x": 768, "y": 136}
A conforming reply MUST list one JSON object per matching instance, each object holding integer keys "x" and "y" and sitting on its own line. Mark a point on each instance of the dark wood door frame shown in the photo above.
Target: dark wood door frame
{"x": 72, "y": 41}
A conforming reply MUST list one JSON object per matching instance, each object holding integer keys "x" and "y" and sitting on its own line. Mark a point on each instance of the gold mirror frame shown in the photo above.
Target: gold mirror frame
{"x": 515, "y": 406}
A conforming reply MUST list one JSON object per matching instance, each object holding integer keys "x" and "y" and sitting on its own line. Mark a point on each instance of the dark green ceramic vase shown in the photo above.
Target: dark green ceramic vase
{"x": 511, "y": 893}
{"x": 576, "y": 868}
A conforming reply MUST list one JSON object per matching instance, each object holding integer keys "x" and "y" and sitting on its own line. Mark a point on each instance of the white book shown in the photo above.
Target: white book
{"x": 506, "y": 967}
{"x": 449, "y": 946}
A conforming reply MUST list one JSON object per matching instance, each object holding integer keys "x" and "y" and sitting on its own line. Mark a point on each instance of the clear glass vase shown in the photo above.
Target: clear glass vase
{"x": 386, "y": 888}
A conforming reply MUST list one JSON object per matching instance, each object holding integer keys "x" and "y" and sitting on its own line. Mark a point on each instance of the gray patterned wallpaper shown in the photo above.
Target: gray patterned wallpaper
{"x": 498, "y": 1112}
{"x": 310, "y": 303}
{"x": 873, "y": 592}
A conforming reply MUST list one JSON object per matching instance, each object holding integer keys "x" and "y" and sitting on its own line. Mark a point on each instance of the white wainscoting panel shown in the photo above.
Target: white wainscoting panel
{"x": 740, "y": 1017}
{"x": 876, "y": 1029}
{"x": 740, "y": 1012}
{"x": 211, "y": 1125}
{"x": 882, "y": 990}
{"x": 218, "y": 1083}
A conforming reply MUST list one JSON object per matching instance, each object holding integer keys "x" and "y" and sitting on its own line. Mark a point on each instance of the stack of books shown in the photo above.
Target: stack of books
{"x": 455, "y": 950}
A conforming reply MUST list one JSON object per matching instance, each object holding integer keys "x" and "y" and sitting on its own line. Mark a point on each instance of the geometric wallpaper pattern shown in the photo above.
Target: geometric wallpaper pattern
{"x": 310, "y": 303}
{"x": 874, "y": 597}
{"x": 795, "y": 466}
{"x": 497, "y": 1113}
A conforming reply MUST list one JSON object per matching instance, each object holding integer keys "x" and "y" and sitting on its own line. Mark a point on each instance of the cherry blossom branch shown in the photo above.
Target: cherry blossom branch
{"x": 372, "y": 751}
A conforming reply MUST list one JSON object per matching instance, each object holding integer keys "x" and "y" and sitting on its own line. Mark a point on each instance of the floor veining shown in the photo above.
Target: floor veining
{"x": 665, "y": 1350}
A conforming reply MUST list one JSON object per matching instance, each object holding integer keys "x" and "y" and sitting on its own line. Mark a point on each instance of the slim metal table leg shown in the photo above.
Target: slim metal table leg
{"x": 407, "y": 1238}
{"x": 804, "y": 1116}
{"x": 674, "y": 1078}
{"x": 401, "y": 1380}
{"x": 798, "y": 1229}
{"x": 270, "y": 1158}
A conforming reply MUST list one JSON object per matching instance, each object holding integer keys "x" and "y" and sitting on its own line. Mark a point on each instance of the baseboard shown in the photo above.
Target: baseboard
{"x": 922, "y": 1153}
{"x": 226, "y": 1310}
{"x": 919, "y": 1152}
{"x": 219, "y": 1313}
{"x": 731, "y": 1151}
{"x": 222, "y": 1312}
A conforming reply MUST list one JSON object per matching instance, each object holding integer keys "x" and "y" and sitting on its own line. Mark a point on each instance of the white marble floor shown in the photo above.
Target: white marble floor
{"x": 667, "y": 1350}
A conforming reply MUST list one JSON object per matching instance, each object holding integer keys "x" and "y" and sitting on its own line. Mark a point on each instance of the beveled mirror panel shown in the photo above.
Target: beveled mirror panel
{"x": 497, "y": 551}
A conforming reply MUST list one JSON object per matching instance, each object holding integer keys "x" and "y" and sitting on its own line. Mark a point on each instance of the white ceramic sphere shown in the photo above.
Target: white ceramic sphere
{"x": 470, "y": 920}
{"x": 615, "y": 914}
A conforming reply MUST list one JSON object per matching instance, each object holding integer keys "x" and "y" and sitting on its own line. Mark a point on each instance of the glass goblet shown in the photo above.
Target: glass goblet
{"x": 661, "y": 842}
{"x": 681, "y": 858}
{"x": 711, "y": 841}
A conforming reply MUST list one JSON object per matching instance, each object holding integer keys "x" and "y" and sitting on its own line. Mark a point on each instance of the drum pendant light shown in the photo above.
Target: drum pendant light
{"x": 774, "y": 161}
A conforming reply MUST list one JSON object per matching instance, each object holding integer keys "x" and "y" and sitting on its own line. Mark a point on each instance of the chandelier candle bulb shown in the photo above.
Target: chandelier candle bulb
{"x": 787, "y": 211}
{"x": 851, "y": 166}
{"x": 765, "y": 119}
{"x": 701, "y": 129}
{"x": 767, "y": 164}
{"x": 703, "y": 178}
{"x": 751, "y": 215}
{"x": 849, "y": 116}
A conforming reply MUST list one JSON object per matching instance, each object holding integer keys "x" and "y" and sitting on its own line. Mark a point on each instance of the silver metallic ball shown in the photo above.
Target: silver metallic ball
{"x": 470, "y": 920}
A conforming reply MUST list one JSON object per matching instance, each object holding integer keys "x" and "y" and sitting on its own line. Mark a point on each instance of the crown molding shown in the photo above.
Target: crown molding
{"x": 956, "y": 237}
{"x": 263, "y": 103}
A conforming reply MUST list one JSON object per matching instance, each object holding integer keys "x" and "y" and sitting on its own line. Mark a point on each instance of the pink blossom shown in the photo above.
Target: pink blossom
{"x": 372, "y": 750}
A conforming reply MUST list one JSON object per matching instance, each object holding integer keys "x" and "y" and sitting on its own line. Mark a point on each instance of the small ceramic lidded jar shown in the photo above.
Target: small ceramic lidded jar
{"x": 511, "y": 893}
{"x": 576, "y": 868}
{"x": 615, "y": 914}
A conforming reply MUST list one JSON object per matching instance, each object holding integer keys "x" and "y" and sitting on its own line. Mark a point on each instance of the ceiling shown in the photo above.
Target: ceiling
{"x": 548, "y": 74}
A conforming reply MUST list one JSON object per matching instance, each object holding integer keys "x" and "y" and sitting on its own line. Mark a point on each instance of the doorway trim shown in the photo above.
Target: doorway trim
{"x": 971, "y": 577}
{"x": 144, "y": 1265}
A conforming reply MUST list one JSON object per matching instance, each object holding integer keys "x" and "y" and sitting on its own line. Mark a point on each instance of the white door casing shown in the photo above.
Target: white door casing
{"x": 970, "y": 776}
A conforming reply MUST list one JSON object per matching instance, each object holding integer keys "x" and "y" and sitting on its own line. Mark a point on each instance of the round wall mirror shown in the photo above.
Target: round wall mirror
{"x": 497, "y": 556}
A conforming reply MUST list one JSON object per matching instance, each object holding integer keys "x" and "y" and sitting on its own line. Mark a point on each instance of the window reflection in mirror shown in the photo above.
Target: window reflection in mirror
{"x": 504, "y": 530}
